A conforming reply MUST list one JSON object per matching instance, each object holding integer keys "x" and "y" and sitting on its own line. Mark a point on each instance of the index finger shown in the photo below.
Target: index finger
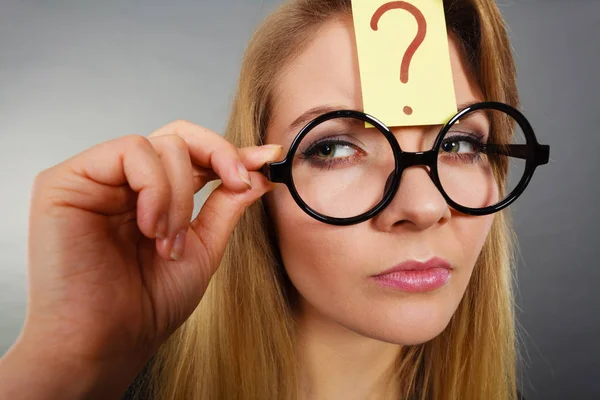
{"x": 210, "y": 150}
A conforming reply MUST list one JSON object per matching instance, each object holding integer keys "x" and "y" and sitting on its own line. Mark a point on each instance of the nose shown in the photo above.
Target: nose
{"x": 418, "y": 203}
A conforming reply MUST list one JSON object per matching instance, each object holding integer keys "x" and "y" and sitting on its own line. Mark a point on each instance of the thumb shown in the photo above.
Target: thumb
{"x": 205, "y": 244}
{"x": 220, "y": 214}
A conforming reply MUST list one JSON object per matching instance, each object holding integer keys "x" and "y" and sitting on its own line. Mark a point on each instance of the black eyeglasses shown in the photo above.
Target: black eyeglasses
{"x": 341, "y": 172}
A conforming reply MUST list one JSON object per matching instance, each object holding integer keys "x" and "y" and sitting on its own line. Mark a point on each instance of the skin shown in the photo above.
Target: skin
{"x": 352, "y": 329}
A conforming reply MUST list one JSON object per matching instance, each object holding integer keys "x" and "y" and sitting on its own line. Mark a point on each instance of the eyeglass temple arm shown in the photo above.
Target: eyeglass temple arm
{"x": 276, "y": 172}
{"x": 541, "y": 155}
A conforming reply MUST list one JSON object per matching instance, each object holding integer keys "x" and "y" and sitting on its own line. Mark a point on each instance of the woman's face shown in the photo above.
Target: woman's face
{"x": 332, "y": 266}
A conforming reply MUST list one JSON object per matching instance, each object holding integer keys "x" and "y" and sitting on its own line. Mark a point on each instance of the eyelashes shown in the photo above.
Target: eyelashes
{"x": 462, "y": 146}
{"x": 329, "y": 152}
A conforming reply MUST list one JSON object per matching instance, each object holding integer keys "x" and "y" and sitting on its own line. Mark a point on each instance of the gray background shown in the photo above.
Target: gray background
{"x": 74, "y": 74}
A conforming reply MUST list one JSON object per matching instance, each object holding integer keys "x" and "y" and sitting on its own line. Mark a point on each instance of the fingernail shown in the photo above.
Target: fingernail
{"x": 161, "y": 227}
{"x": 244, "y": 175}
{"x": 272, "y": 146}
{"x": 272, "y": 150}
{"x": 178, "y": 245}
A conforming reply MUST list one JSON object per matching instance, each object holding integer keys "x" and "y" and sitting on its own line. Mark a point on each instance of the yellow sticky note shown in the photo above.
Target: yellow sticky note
{"x": 404, "y": 61}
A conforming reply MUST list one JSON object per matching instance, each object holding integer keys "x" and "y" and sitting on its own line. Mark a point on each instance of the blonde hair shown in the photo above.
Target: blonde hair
{"x": 240, "y": 341}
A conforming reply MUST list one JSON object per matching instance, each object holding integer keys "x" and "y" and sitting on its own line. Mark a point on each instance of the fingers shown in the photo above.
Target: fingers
{"x": 234, "y": 202}
{"x": 98, "y": 175}
{"x": 166, "y": 169}
{"x": 161, "y": 169}
{"x": 253, "y": 158}
{"x": 209, "y": 150}
{"x": 189, "y": 168}
{"x": 175, "y": 156}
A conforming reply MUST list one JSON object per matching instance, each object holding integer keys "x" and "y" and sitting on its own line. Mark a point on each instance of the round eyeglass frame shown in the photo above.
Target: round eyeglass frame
{"x": 534, "y": 153}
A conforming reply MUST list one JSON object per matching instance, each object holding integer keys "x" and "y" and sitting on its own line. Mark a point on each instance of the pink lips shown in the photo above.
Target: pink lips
{"x": 415, "y": 276}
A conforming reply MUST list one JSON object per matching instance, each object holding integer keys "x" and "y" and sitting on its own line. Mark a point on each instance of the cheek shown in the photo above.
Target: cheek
{"x": 316, "y": 256}
{"x": 472, "y": 232}
{"x": 469, "y": 236}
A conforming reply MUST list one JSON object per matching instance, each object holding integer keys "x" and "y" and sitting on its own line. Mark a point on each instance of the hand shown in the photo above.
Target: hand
{"x": 102, "y": 290}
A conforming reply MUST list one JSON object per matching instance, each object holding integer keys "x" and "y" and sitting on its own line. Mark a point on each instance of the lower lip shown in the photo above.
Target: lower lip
{"x": 415, "y": 280}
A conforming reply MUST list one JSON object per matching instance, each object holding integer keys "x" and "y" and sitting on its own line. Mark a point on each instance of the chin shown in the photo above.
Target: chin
{"x": 405, "y": 336}
{"x": 410, "y": 326}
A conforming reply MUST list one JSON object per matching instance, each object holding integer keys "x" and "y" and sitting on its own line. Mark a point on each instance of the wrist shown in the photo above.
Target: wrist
{"x": 30, "y": 372}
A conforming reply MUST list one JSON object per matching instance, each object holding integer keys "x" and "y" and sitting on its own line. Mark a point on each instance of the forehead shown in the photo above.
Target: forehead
{"x": 326, "y": 73}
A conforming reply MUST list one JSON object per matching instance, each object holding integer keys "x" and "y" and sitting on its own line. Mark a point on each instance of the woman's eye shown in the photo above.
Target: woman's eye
{"x": 332, "y": 150}
{"x": 462, "y": 144}
{"x": 329, "y": 153}
{"x": 457, "y": 146}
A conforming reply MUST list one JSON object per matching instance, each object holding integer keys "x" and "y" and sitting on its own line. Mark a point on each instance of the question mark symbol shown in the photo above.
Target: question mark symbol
{"x": 417, "y": 41}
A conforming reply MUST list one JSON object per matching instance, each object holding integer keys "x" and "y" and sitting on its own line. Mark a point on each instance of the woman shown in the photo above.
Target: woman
{"x": 293, "y": 310}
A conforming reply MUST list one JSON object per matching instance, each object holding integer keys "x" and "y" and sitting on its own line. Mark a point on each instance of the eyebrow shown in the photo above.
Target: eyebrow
{"x": 314, "y": 112}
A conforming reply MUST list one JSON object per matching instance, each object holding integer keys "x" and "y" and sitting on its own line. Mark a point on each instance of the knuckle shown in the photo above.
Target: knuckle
{"x": 160, "y": 184}
{"x": 224, "y": 152}
{"x": 39, "y": 182}
{"x": 182, "y": 123}
{"x": 136, "y": 140}
{"x": 230, "y": 148}
{"x": 163, "y": 186}
{"x": 176, "y": 143}
{"x": 47, "y": 177}
{"x": 42, "y": 176}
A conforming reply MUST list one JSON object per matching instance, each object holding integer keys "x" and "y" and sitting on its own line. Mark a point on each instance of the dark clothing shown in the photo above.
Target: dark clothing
{"x": 139, "y": 388}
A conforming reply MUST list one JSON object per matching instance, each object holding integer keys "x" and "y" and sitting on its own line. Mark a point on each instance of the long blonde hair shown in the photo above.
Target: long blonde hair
{"x": 240, "y": 341}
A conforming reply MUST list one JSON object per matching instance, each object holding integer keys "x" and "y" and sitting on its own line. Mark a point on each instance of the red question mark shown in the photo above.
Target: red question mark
{"x": 418, "y": 40}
